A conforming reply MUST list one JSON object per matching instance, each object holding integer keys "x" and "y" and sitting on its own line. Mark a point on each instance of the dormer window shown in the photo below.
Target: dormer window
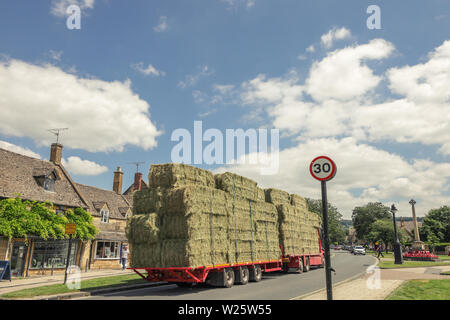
{"x": 46, "y": 178}
{"x": 104, "y": 215}
{"x": 49, "y": 184}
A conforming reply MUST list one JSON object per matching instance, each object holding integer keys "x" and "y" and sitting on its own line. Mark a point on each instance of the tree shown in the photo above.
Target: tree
{"x": 336, "y": 231}
{"x": 436, "y": 225}
{"x": 20, "y": 218}
{"x": 363, "y": 217}
{"x": 384, "y": 230}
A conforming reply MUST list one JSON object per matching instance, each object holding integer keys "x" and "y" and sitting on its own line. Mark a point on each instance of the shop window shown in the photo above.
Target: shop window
{"x": 107, "y": 250}
{"x": 52, "y": 254}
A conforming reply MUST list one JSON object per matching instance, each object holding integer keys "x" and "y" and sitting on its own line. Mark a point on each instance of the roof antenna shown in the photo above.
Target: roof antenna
{"x": 136, "y": 164}
{"x": 56, "y": 132}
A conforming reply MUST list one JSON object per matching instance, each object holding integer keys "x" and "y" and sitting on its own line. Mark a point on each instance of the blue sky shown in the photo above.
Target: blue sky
{"x": 217, "y": 61}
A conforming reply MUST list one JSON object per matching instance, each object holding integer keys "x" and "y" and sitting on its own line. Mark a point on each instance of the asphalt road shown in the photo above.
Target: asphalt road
{"x": 273, "y": 286}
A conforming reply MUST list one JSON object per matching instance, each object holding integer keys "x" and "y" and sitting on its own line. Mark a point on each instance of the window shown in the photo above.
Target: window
{"x": 48, "y": 254}
{"x": 49, "y": 184}
{"x": 107, "y": 250}
{"x": 104, "y": 215}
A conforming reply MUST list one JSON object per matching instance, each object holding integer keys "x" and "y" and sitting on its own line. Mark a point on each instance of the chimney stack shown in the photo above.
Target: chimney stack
{"x": 56, "y": 153}
{"x": 117, "y": 183}
{"x": 137, "y": 181}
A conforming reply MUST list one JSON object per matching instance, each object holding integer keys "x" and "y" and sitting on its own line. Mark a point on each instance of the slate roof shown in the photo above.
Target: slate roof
{"x": 17, "y": 175}
{"x": 97, "y": 198}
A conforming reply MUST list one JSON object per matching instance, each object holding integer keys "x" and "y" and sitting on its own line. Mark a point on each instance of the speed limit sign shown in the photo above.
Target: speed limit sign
{"x": 322, "y": 168}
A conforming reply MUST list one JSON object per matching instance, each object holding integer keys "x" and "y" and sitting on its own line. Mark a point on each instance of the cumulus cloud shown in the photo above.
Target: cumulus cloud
{"x": 100, "y": 115}
{"x": 334, "y": 34}
{"x": 77, "y": 166}
{"x": 233, "y": 4}
{"x": 162, "y": 25}
{"x": 59, "y": 7}
{"x": 17, "y": 149}
{"x": 149, "y": 70}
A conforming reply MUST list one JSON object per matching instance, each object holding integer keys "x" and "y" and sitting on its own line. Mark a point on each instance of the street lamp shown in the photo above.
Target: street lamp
{"x": 397, "y": 247}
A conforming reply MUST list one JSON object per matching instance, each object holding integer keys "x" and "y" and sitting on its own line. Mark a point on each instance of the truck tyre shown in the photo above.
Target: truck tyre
{"x": 242, "y": 276}
{"x": 307, "y": 265}
{"x": 255, "y": 273}
{"x": 229, "y": 278}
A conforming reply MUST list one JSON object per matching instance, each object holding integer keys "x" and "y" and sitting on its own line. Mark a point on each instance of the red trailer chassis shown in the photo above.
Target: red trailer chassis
{"x": 190, "y": 275}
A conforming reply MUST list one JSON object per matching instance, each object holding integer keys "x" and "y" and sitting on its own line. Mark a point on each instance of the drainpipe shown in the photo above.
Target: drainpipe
{"x": 8, "y": 248}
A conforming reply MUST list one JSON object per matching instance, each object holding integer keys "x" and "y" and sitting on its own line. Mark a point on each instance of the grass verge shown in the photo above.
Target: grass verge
{"x": 422, "y": 290}
{"x": 389, "y": 264}
{"x": 86, "y": 286}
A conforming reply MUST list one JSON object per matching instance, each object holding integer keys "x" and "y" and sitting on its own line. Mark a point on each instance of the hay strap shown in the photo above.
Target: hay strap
{"x": 235, "y": 224}
{"x": 211, "y": 235}
{"x": 267, "y": 238}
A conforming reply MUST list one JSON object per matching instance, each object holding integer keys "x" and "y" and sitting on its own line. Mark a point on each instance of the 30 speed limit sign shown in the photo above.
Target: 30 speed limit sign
{"x": 322, "y": 168}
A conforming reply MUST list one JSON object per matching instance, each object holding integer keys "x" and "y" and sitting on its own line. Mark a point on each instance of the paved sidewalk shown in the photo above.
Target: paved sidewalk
{"x": 367, "y": 287}
{"x": 37, "y": 281}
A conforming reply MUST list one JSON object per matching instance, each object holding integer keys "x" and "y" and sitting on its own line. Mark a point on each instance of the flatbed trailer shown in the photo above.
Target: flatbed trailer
{"x": 226, "y": 275}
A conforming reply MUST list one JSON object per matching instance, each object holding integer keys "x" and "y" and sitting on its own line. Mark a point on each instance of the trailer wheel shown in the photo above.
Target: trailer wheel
{"x": 307, "y": 265}
{"x": 255, "y": 273}
{"x": 229, "y": 278}
{"x": 242, "y": 276}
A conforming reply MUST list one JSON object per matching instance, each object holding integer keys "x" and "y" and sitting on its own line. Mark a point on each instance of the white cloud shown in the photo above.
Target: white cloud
{"x": 77, "y": 166}
{"x": 149, "y": 70}
{"x": 59, "y": 7}
{"x": 17, "y": 149}
{"x": 162, "y": 26}
{"x": 192, "y": 79}
{"x": 100, "y": 115}
{"x": 334, "y": 34}
{"x": 310, "y": 49}
{"x": 343, "y": 75}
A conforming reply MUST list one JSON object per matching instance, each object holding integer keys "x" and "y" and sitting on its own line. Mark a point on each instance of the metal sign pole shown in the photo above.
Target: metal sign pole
{"x": 326, "y": 240}
{"x": 68, "y": 258}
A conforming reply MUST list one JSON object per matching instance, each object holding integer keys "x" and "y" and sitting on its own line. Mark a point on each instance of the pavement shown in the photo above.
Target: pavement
{"x": 378, "y": 284}
{"x": 37, "y": 281}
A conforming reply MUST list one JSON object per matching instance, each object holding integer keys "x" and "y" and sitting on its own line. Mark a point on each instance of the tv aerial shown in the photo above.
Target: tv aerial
{"x": 57, "y": 132}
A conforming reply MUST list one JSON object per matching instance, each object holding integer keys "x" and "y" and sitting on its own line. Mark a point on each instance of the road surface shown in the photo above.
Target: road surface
{"x": 273, "y": 286}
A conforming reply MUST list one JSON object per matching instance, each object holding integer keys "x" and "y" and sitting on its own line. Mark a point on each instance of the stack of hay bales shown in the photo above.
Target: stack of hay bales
{"x": 183, "y": 220}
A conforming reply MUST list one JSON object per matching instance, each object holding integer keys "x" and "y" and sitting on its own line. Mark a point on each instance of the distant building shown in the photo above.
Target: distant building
{"x": 408, "y": 226}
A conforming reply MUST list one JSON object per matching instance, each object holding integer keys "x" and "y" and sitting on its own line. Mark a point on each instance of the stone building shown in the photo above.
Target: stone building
{"x": 42, "y": 180}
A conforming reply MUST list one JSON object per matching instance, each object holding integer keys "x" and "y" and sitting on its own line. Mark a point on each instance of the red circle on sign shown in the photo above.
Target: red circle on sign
{"x": 333, "y": 169}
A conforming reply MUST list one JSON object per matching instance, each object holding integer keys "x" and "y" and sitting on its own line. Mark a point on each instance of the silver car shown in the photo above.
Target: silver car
{"x": 359, "y": 250}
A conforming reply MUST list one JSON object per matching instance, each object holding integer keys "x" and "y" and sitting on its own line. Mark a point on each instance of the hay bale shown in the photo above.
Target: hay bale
{"x": 174, "y": 175}
{"x": 149, "y": 200}
{"x": 239, "y": 186}
{"x": 143, "y": 229}
{"x": 277, "y": 196}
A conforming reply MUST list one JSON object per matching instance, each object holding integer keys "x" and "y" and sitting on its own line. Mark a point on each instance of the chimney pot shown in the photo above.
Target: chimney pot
{"x": 56, "y": 153}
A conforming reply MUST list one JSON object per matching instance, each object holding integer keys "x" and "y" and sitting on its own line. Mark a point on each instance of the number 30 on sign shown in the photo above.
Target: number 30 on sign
{"x": 322, "y": 168}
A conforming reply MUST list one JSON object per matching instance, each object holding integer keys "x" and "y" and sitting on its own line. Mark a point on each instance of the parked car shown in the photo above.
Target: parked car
{"x": 359, "y": 250}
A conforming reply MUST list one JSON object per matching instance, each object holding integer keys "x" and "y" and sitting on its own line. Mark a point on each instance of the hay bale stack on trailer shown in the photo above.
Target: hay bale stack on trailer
{"x": 190, "y": 223}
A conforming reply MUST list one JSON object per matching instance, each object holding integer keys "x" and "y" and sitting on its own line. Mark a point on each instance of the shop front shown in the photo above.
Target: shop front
{"x": 106, "y": 250}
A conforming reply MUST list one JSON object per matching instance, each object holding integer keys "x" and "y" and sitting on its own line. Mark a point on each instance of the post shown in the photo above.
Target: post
{"x": 68, "y": 258}
{"x": 397, "y": 247}
{"x": 326, "y": 240}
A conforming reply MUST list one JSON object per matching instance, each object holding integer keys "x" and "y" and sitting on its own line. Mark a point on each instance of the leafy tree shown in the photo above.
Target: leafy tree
{"x": 363, "y": 217}
{"x": 20, "y": 218}
{"x": 336, "y": 231}
{"x": 384, "y": 230}
{"x": 436, "y": 225}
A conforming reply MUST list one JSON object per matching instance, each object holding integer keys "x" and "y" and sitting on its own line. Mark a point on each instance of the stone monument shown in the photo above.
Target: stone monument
{"x": 417, "y": 244}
